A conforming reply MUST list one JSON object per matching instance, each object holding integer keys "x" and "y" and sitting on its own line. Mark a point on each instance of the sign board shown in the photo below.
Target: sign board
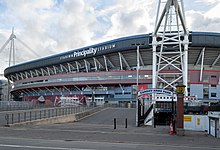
{"x": 187, "y": 118}
{"x": 157, "y": 91}
{"x": 180, "y": 89}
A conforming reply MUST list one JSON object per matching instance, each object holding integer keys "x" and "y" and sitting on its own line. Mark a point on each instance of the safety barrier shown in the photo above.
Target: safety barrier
{"x": 20, "y": 105}
{"x": 53, "y": 115}
{"x": 42, "y": 114}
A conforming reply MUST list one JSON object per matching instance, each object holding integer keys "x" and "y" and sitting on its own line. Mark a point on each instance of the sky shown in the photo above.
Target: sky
{"x": 50, "y": 27}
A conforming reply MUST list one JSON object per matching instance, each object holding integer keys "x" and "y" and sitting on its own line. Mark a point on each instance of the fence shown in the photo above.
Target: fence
{"x": 19, "y": 105}
{"x": 36, "y": 114}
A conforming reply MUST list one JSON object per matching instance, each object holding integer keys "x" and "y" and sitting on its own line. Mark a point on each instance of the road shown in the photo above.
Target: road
{"x": 96, "y": 133}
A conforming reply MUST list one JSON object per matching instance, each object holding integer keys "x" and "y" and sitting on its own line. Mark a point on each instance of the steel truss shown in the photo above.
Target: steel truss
{"x": 11, "y": 41}
{"x": 60, "y": 90}
{"x": 104, "y": 63}
{"x": 170, "y": 47}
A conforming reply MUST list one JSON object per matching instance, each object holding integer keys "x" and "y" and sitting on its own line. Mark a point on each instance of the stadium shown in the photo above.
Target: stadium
{"x": 108, "y": 71}
{"x": 124, "y": 70}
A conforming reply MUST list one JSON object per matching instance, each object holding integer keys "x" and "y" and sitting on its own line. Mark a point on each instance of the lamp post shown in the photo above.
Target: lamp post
{"x": 173, "y": 113}
{"x": 137, "y": 83}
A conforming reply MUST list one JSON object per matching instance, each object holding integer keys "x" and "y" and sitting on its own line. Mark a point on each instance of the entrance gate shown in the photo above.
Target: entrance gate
{"x": 146, "y": 105}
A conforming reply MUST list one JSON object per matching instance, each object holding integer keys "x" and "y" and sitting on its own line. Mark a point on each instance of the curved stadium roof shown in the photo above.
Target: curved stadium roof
{"x": 198, "y": 40}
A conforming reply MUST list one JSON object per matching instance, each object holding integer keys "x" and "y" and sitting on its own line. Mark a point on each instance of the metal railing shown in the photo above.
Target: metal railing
{"x": 38, "y": 114}
{"x": 20, "y": 105}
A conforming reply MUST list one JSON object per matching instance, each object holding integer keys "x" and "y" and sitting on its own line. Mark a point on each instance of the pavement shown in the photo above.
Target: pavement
{"x": 96, "y": 132}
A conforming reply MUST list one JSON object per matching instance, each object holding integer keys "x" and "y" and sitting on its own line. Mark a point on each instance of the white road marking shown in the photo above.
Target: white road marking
{"x": 41, "y": 147}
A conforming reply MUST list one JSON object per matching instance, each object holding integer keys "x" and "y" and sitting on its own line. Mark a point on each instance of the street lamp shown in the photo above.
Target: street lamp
{"x": 137, "y": 83}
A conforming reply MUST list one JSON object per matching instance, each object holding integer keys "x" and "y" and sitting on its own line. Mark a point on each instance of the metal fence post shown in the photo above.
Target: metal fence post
{"x": 40, "y": 114}
{"x": 45, "y": 113}
{"x": 30, "y": 116}
{"x": 12, "y": 118}
{"x": 48, "y": 113}
{"x": 35, "y": 115}
{"x": 24, "y": 116}
{"x": 19, "y": 117}
{"x": 53, "y": 112}
{"x": 7, "y": 119}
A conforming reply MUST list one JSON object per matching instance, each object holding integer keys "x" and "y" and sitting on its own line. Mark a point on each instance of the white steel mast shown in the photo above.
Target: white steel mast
{"x": 170, "y": 46}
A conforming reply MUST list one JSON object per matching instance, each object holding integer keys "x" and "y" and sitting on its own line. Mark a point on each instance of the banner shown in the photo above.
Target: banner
{"x": 157, "y": 91}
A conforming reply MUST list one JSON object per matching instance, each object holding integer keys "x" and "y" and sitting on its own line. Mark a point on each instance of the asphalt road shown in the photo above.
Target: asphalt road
{"x": 96, "y": 133}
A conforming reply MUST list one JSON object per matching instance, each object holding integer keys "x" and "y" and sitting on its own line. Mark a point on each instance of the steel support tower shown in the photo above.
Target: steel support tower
{"x": 170, "y": 46}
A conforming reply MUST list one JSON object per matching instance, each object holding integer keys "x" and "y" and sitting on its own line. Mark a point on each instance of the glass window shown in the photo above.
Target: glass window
{"x": 205, "y": 91}
{"x": 205, "y": 79}
{"x": 213, "y": 94}
{"x": 213, "y": 76}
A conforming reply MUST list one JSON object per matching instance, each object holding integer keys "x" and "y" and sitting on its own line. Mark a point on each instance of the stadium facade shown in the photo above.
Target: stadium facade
{"x": 108, "y": 71}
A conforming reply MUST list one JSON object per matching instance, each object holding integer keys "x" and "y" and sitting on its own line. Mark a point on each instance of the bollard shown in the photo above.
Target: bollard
{"x": 48, "y": 113}
{"x": 114, "y": 123}
{"x": 126, "y": 123}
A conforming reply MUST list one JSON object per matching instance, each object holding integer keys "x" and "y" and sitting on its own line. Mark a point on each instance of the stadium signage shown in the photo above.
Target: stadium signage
{"x": 157, "y": 91}
{"x": 90, "y": 51}
{"x": 85, "y": 52}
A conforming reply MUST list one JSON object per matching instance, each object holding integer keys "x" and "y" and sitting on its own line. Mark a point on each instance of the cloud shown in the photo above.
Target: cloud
{"x": 46, "y": 28}
{"x": 130, "y": 18}
{"x": 199, "y": 22}
{"x": 206, "y": 1}
{"x": 54, "y": 26}
{"x": 214, "y": 12}
{"x": 205, "y": 21}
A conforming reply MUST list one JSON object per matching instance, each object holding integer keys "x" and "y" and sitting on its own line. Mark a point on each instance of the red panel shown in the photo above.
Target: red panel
{"x": 143, "y": 87}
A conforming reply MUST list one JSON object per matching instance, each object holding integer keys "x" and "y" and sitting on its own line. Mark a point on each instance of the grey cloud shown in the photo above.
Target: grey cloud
{"x": 201, "y": 23}
{"x": 78, "y": 23}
